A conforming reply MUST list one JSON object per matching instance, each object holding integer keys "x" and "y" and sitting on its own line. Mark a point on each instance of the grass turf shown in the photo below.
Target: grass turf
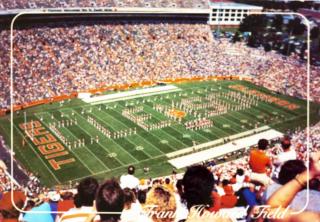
{"x": 110, "y": 157}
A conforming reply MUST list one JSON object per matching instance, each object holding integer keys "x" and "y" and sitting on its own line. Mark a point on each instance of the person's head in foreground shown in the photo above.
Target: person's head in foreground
{"x": 197, "y": 184}
{"x": 131, "y": 170}
{"x": 87, "y": 191}
{"x": 161, "y": 204}
{"x": 263, "y": 144}
{"x": 285, "y": 143}
{"x": 290, "y": 169}
{"x": 281, "y": 199}
{"x": 110, "y": 198}
{"x": 129, "y": 198}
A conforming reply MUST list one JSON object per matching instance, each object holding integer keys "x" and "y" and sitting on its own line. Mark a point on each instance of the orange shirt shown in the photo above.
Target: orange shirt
{"x": 229, "y": 200}
{"x": 216, "y": 202}
{"x": 259, "y": 161}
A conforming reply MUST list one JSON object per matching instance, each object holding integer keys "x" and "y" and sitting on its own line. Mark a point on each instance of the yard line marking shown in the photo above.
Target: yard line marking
{"x": 136, "y": 161}
{"x": 234, "y": 123}
{"x": 170, "y": 135}
{"x": 88, "y": 148}
{"x": 101, "y": 172}
{"x": 205, "y": 138}
{"x": 127, "y": 138}
{"x": 100, "y": 143}
{"x": 31, "y": 146}
{"x": 139, "y": 134}
{"x": 148, "y": 132}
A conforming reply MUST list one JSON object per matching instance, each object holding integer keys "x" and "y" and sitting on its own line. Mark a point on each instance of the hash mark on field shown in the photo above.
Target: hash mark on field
{"x": 226, "y": 126}
{"x": 112, "y": 155}
{"x": 164, "y": 141}
{"x": 138, "y": 148}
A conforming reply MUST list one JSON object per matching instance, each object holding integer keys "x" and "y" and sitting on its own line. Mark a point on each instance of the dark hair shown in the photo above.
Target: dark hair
{"x": 167, "y": 180}
{"x": 87, "y": 189}
{"x": 263, "y": 144}
{"x": 225, "y": 182}
{"x": 142, "y": 196}
{"x": 314, "y": 184}
{"x": 198, "y": 183}
{"x": 290, "y": 169}
{"x": 285, "y": 144}
{"x": 179, "y": 186}
{"x": 129, "y": 197}
{"x": 67, "y": 195}
{"x": 110, "y": 198}
{"x": 240, "y": 172}
{"x": 131, "y": 170}
{"x": 76, "y": 201}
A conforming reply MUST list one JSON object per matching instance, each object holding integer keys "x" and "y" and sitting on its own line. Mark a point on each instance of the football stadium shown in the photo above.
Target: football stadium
{"x": 113, "y": 106}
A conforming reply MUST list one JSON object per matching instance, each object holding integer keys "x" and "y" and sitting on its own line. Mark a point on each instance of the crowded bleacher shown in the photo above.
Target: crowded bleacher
{"x": 134, "y": 52}
{"x": 36, "y": 4}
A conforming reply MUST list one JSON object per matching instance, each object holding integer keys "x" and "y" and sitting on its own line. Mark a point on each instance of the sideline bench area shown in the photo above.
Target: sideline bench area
{"x": 132, "y": 94}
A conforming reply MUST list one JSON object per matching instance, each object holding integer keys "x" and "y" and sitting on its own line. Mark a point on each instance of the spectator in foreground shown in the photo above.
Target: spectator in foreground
{"x": 260, "y": 164}
{"x": 7, "y": 210}
{"x": 85, "y": 197}
{"x": 198, "y": 184}
{"x": 287, "y": 153}
{"x": 288, "y": 172}
{"x": 161, "y": 201}
{"x": 110, "y": 198}
{"x": 132, "y": 210}
{"x": 129, "y": 180}
{"x": 285, "y": 194}
{"x": 42, "y": 206}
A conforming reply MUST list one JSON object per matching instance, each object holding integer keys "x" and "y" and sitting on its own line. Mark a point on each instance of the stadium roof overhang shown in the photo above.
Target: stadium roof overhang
{"x": 110, "y": 10}
{"x": 114, "y": 13}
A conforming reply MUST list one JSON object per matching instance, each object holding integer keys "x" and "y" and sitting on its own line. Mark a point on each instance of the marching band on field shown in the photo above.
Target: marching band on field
{"x": 200, "y": 108}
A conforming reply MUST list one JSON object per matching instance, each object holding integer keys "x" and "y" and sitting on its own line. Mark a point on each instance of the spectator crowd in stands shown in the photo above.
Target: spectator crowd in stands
{"x": 23, "y": 4}
{"x": 91, "y": 56}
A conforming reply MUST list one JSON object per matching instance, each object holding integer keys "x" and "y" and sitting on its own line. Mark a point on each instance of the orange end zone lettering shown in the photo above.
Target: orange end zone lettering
{"x": 29, "y": 125}
{"x": 56, "y": 164}
{"x": 54, "y": 155}
{"x": 292, "y": 106}
{"x": 51, "y": 148}
{"x": 40, "y": 131}
{"x": 48, "y": 138}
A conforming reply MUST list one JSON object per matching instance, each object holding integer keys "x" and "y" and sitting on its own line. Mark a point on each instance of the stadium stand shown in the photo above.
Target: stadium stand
{"x": 134, "y": 52}
{"x": 36, "y": 4}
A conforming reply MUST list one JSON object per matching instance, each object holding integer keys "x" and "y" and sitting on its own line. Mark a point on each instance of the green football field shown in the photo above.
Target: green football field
{"x": 104, "y": 139}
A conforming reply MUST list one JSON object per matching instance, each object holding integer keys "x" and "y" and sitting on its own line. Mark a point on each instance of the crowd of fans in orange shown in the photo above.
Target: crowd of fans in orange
{"x": 23, "y": 4}
{"x": 91, "y": 56}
